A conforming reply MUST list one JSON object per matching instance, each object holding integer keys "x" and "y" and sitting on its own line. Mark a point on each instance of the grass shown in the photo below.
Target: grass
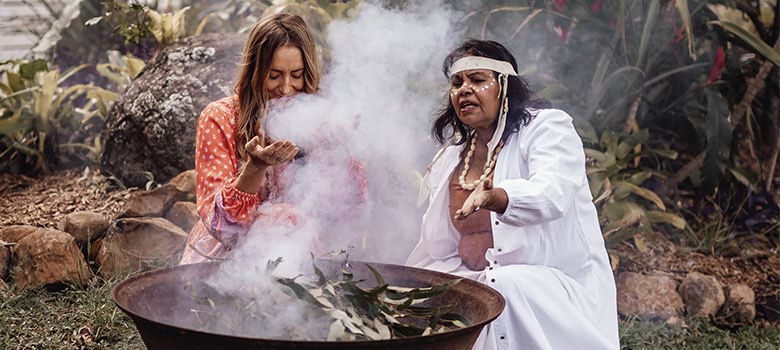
{"x": 699, "y": 334}
{"x": 40, "y": 319}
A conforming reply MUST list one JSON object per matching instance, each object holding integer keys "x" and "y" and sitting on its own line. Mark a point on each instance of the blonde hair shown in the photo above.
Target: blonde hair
{"x": 266, "y": 37}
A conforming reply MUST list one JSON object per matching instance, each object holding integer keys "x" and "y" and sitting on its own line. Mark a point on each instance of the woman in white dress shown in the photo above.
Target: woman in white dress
{"x": 510, "y": 206}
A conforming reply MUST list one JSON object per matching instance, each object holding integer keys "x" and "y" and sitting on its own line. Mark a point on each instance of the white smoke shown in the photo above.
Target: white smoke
{"x": 374, "y": 109}
{"x": 373, "y": 112}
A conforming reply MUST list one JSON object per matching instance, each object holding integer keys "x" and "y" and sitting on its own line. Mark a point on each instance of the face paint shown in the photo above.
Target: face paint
{"x": 475, "y": 88}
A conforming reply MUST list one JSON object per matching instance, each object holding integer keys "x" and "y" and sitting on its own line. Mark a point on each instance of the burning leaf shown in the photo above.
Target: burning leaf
{"x": 271, "y": 265}
{"x": 336, "y": 331}
{"x": 377, "y": 312}
{"x": 325, "y": 302}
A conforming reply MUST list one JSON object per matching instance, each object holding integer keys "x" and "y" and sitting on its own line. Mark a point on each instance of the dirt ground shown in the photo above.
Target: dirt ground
{"x": 45, "y": 200}
{"x": 759, "y": 269}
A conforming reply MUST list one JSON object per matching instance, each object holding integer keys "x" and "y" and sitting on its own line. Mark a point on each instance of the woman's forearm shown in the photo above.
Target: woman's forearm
{"x": 251, "y": 179}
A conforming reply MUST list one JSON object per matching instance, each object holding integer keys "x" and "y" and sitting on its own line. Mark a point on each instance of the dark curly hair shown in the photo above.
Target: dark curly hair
{"x": 520, "y": 96}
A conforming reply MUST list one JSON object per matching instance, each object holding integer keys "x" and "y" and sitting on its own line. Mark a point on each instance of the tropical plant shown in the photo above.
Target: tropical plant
{"x": 616, "y": 179}
{"x": 752, "y": 30}
{"x": 42, "y": 121}
{"x": 675, "y": 68}
{"x": 121, "y": 69}
{"x": 240, "y": 15}
{"x": 136, "y": 21}
{"x": 167, "y": 27}
{"x": 128, "y": 20}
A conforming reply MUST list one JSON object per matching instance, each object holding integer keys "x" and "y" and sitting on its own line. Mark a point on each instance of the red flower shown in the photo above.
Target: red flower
{"x": 717, "y": 67}
{"x": 560, "y": 4}
{"x": 680, "y": 34}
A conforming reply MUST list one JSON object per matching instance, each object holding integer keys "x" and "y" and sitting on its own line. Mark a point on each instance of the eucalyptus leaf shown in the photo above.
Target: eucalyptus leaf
{"x": 337, "y": 330}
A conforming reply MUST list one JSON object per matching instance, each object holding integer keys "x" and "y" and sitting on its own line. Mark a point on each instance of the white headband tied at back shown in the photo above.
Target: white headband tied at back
{"x": 477, "y": 62}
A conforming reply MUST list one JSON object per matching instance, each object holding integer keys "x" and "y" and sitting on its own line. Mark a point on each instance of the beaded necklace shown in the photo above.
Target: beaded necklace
{"x": 490, "y": 164}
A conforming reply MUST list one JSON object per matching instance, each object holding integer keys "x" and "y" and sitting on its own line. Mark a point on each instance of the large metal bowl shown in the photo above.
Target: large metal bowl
{"x": 160, "y": 307}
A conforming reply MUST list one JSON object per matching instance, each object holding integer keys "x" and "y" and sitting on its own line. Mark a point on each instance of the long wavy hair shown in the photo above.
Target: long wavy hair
{"x": 266, "y": 36}
{"x": 447, "y": 125}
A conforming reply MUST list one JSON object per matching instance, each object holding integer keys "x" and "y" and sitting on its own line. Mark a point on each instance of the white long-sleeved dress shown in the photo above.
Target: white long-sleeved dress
{"x": 548, "y": 259}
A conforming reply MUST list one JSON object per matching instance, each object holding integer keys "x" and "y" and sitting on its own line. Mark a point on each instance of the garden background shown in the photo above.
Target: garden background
{"x": 677, "y": 103}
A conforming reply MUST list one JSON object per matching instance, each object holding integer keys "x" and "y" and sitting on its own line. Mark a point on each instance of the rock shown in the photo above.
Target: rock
{"x": 151, "y": 127}
{"x": 139, "y": 243}
{"x": 150, "y": 203}
{"x": 84, "y": 226}
{"x": 184, "y": 215}
{"x": 5, "y": 262}
{"x": 702, "y": 294}
{"x": 14, "y": 233}
{"x": 185, "y": 183}
{"x": 651, "y": 297}
{"x": 740, "y": 305}
{"x": 49, "y": 257}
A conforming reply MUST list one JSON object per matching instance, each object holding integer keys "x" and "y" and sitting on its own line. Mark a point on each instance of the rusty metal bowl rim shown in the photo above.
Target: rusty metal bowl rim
{"x": 502, "y": 303}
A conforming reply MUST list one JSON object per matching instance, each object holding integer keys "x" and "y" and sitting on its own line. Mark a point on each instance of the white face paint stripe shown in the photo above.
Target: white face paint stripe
{"x": 466, "y": 86}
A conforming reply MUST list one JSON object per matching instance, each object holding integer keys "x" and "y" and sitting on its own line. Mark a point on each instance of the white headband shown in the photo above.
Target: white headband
{"x": 477, "y": 62}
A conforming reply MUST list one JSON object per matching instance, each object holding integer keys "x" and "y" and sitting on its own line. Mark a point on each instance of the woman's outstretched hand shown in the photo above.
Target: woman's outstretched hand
{"x": 483, "y": 197}
{"x": 271, "y": 155}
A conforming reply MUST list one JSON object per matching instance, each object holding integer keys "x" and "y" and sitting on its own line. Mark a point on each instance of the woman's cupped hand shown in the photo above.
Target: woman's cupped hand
{"x": 274, "y": 154}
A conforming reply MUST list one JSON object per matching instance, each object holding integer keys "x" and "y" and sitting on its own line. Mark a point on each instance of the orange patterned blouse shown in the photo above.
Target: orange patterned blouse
{"x": 226, "y": 212}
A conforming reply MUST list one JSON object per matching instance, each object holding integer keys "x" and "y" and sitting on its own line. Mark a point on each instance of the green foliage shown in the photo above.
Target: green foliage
{"x": 135, "y": 21}
{"x": 750, "y": 41}
{"x": 616, "y": 178}
{"x": 697, "y": 334}
{"x": 121, "y": 69}
{"x": 718, "y": 140}
{"x": 623, "y": 65}
{"x": 678, "y": 68}
{"x": 711, "y": 232}
{"x": 62, "y": 319}
{"x": 241, "y": 15}
{"x": 381, "y": 312}
{"x": 127, "y": 19}
{"x": 42, "y": 119}
{"x": 167, "y": 27}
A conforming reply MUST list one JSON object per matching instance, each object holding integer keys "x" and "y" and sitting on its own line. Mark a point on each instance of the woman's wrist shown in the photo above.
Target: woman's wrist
{"x": 497, "y": 200}
{"x": 251, "y": 178}
{"x": 254, "y": 167}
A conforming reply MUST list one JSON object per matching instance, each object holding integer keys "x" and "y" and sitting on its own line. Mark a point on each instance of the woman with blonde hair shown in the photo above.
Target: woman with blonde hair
{"x": 237, "y": 165}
